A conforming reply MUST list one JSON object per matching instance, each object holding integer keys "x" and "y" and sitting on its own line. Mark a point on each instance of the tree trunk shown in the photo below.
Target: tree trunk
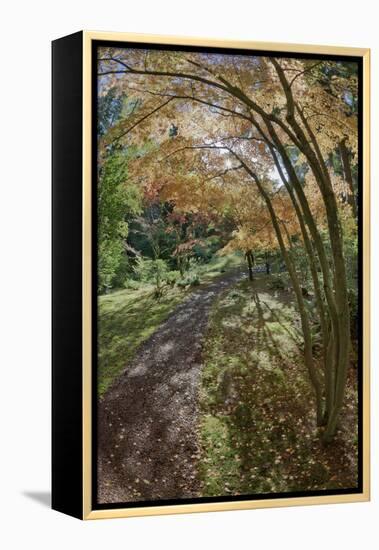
{"x": 268, "y": 267}
{"x": 348, "y": 176}
{"x": 322, "y": 176}
{"x": 328, "y": 337}
{"x": 337, "y": 301}
{"x": 308, "y": 353}
{"x": 250, "y": 265}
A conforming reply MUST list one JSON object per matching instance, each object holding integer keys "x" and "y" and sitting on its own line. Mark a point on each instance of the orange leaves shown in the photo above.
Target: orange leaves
{"x": 203, "y": 96}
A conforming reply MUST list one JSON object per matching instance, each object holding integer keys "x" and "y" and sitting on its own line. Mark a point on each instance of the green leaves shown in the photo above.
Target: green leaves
{"x": 118, "y": 200}
{"x": 153, "y": 271}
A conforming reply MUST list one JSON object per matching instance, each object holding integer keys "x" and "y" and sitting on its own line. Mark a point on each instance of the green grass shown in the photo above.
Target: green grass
{"x": 219, "y": 265}
{"x": 257, "y": 428}
{"x": 128, "y": 317}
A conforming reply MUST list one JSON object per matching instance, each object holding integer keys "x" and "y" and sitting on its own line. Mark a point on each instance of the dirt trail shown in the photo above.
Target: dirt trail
{"x": 147, "y": 422}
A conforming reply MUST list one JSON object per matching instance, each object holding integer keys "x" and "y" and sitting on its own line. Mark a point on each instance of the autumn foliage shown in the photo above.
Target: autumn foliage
{"x": 261, "y": 152}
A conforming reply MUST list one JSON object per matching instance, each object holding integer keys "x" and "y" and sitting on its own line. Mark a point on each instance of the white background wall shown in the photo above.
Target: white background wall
{"x": 26, "y": 31}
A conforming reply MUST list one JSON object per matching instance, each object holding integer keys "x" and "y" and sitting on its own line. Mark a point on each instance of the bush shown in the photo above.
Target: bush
{"x": 191, "y": 279}
{"x": 202, "y": 254}
{"x": 110, "y": 253}
{"x": 194, "y": 279}
{"x": 149, "y": 270}
{"x": 132, "y": 284}
{"x": 172, "y": 277}
{"x": 154, "y": 272}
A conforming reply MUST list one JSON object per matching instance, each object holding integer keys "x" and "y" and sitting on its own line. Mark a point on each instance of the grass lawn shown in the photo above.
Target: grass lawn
{"x": 257, "y": 429}
{"x": 219, "y": 265}
{"x": 128, "y": 317}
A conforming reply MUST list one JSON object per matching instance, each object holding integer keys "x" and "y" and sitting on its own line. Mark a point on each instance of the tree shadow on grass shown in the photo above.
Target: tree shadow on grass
{"x": 259, "y": 432}
{"x": 258, "y": 414}
{"x": 265, "y": 337}
{"x": 124, "y": 325}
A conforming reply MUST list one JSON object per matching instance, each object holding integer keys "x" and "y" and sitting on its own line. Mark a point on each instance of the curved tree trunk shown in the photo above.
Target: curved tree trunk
{"x": 326, "y": 335}
{"x": 322, "y": 176}
{"x": 308, "y": 353}
{"x": 348, "y": 176}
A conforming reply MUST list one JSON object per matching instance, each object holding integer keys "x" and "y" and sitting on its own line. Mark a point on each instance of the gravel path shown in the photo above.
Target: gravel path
{"x": 147, "y": 422}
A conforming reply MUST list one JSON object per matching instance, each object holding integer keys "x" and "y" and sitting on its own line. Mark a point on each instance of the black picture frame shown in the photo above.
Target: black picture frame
{"x": 74, "y": 399}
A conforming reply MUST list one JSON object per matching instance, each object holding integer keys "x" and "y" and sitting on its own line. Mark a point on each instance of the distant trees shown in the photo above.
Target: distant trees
{"x": 269, "y": 144}
{"x": 118, "y": 198}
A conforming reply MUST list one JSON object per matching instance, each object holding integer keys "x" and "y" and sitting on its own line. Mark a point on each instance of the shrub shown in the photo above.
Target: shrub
{"x": 132, "y": 284}
{"x": 154, "y": 272}
{"x": 202, "y": 253}
{"x": 191, "y": 279}
{"x": 194, "y": 279}
{"x": 172, "y": 277}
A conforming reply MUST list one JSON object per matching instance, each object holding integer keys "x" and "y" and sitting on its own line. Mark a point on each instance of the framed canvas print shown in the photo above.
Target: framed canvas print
{"x": 210, "y": 275}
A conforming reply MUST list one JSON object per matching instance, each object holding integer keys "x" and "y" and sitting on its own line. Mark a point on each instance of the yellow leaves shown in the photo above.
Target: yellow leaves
{"x": 252, "y": 236}
{"x": 329, "y": 118}
{"x": 195, "y": 168}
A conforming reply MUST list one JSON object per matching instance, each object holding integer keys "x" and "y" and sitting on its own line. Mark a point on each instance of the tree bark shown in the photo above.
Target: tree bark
{"x": 250, "y": 265}
{"x": 348, "y": 176}
{"x": 320, "y": 171}
{"x": 308, "y": 353}
{"x": 326, "y": 335}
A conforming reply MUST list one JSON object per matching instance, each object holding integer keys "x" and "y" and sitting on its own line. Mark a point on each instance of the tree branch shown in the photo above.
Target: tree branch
{"x": 141, "y": 120}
